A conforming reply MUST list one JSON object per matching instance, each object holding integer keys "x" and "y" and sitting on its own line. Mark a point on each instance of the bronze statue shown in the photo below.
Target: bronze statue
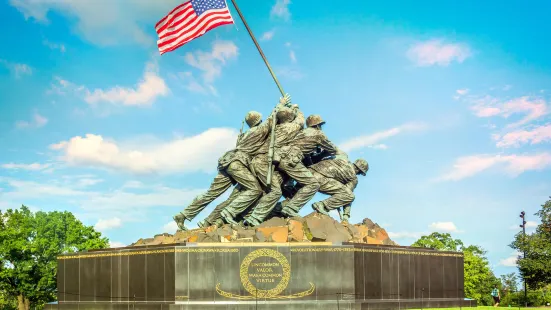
{"x": 304, "y": 162}
{"x": 291, "y": 157}
{"x": 233, "y": 168}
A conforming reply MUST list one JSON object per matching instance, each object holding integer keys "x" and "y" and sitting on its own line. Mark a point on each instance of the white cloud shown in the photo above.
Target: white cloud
{"x": 536, "y": 135}
{"x": 290, "y": 73}
{"x": 119, "y": 201}
{"x": 102, "y": 22}
{"x": 281, "y": 10}
{"x": 462, "y": 91}
{"x": 211, "y": 63}
{"x": 54, "y": 46}
{"x": 529, "y": 225}
{"x": 17, "y": 69}
{"x": 28, "y": 167}
{"x": 104, "y": 205}
{"x": 188, "y": 154}
{"x": 144, "y": 93}
{"x": 510, "y": 261}
{"x": 293, "y": 56}
{"x": 373, "y": 140}
{"x": 170, "y": 227}
{"x": 106, "y": 224}
{"x": 268, "y": 35}
{"x": 116, "y": 244}
{"x": 22, "y": 190}
{"x": 36, "y": 122}
{"x": 488, "y": 106}
{"x": 190, "y": 83}
{"x": 436, "y": 52}
{"x": 443, "y": 227}
{"x": 85, "y": 182}
{"x": 405, "y": 235}
{"x": 513, "y": 165}
{"x": 133, "y": 184}
{"x": 379, "y": 146}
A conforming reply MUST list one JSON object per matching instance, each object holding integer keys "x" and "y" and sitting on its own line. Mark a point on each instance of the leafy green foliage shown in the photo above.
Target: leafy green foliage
{"x": 479, "y": 278}
{"x": 535, "y": 298}
{"x": 535, "y": 267}
{"x": 29, "y": 246}
{"x": 509, "y": 283}
{"x": 438, "y": 241}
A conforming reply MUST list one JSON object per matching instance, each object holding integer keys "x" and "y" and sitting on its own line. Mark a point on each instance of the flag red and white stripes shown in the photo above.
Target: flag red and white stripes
{"x": 190, "y": 20}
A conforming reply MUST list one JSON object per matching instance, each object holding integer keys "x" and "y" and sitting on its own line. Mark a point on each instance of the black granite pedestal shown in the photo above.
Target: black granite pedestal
{"x": 261, "y": 276}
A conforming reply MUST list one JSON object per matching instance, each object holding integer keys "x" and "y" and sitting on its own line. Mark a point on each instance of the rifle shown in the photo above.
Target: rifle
{"x": 340, "y": 213}
{"x": 240, "y": 133}
{"x": 287, "y": 99}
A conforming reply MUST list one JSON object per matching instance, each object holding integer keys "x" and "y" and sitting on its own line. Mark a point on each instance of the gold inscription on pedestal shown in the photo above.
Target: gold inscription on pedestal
{"x": 265, "y": 273}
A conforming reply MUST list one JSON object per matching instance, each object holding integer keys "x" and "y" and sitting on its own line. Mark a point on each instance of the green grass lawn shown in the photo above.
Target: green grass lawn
{"x": 484, "y": 308}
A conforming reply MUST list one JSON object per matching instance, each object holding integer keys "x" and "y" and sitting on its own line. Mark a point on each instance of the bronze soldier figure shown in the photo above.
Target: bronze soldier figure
{"x": 290, "y": 162}
{"x": 233, "y": 168}
{"x": 290, "y": 123}
{"x": 338, "y": 178}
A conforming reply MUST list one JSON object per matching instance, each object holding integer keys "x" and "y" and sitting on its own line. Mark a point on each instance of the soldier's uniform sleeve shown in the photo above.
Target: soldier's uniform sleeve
{"x": 327, "y": 145}
{"x": 299, "y": 119}
{"x": 352, "y": 184}
{"x": 266, "y": 126}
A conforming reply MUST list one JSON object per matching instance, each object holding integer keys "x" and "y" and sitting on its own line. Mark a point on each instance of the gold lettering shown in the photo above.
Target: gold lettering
{"x": 264, "y": 270}
{"x": 265, "y": 280}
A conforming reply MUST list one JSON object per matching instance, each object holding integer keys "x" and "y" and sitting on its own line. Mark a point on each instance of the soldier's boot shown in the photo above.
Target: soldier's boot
{"x": 180, "y": 218}
{"x": 228, "y": 218}
{"x": 344, "y": 219}
{"x": 219, "y": 223}
{"x": 285, "y": 210}
{"x": 320, "y": 207}
{"x": 204, "y": 223}
{"x": 251, "y": 221}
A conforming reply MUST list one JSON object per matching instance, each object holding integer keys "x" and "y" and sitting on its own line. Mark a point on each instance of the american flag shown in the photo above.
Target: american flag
{"x": 190, "y": 20}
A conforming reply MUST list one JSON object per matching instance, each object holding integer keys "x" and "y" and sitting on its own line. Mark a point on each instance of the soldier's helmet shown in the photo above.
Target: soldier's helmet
{"x": 253, "y": 118}
{"x": 314, "y": 120}
{"x": 285, "y": 115}
{"x": 362, "y": 165}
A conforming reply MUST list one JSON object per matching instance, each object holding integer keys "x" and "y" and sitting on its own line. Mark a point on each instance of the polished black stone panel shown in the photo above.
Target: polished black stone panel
{"x": 276, "y": 276}
{"x": 170, "y": 283}
{"x": 104, "y": 280}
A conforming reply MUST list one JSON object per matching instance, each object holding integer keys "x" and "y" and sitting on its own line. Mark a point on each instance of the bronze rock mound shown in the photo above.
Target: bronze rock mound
{"x": 314, "y": 227}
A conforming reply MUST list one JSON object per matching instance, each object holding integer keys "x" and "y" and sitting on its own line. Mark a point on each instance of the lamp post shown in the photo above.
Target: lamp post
{"x": 523, "y": 226}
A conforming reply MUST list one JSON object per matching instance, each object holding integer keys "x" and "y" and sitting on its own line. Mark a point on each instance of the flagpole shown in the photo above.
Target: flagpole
{"x": 258, "y": 47}
{"x": 274, "y": 120}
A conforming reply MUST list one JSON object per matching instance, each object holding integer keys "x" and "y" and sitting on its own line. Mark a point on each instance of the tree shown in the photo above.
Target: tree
{"x": 509, "y": 282}
{"x": 479, "y": 278}
{"x": 29, "y": 246}
{"x": 535, "y": 266}
{"x": 438, "y": 241}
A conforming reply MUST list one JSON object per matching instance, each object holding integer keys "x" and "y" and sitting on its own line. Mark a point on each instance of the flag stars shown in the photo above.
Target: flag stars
{"x": 201, "y": 6}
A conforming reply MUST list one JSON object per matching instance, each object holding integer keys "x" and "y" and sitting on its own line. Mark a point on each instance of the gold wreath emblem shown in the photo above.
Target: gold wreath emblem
{"x": 267, "y": 294}
{"x": 244, "y": 273}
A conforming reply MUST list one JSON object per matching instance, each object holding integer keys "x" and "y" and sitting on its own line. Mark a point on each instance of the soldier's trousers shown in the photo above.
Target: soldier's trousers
{"x": 305, "y": 178}
{"x": 251, "y": 190}
{"x": 340, "y": 194}
{"x": 268, "y": 201}
{"x": 215, "y": 214}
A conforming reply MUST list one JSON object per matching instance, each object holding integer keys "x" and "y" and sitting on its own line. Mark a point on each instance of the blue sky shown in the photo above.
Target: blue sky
{"x": 449, "y": 103}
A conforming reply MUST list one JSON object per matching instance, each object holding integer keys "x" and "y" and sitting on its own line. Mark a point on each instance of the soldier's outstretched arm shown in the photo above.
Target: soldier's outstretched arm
{"x": 352, "y": 184}
{"x": 328, "y": 145}
{"x": 299, "y": 119}
{"x": 283, "y": 102}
